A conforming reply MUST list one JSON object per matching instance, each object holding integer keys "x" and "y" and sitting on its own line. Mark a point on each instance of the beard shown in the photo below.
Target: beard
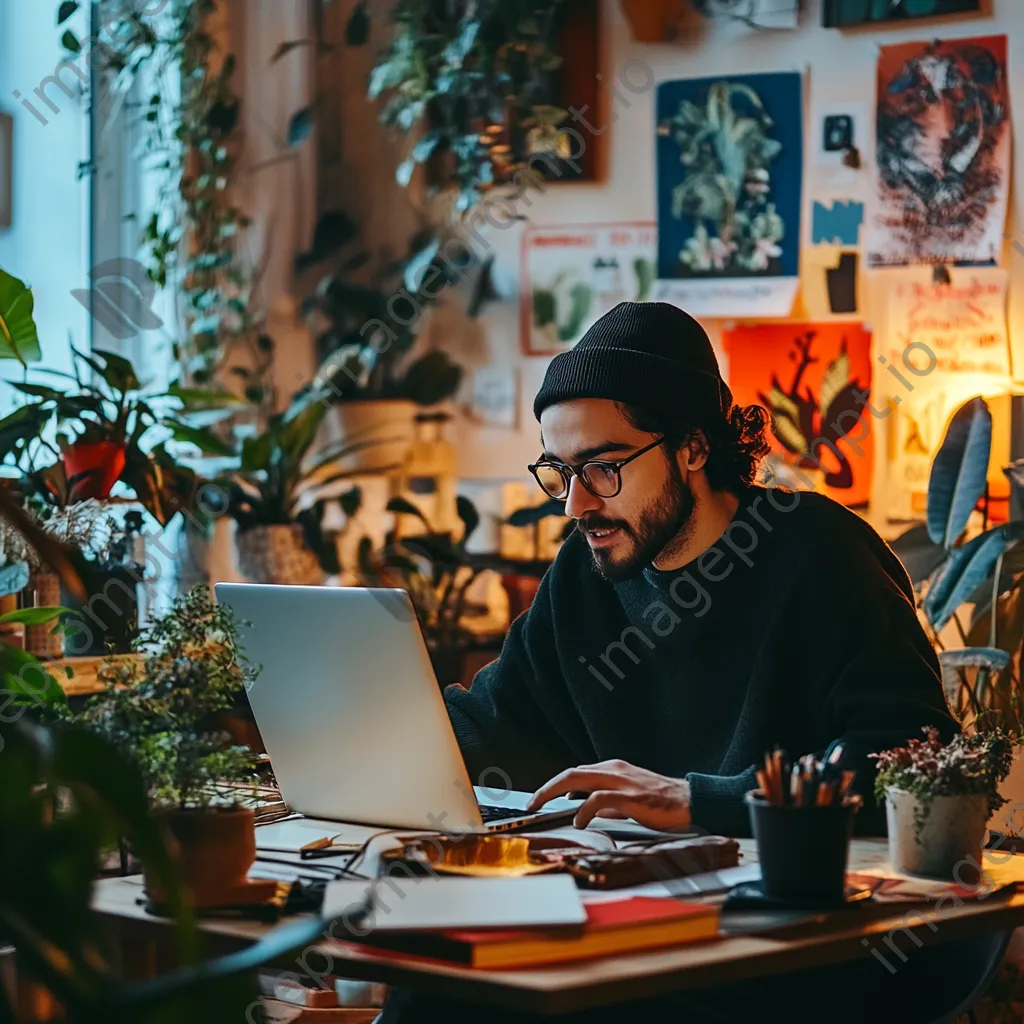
{"x": 662, "y": 525}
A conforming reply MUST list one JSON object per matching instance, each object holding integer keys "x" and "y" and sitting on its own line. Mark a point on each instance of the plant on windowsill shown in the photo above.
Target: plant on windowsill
{"x": 106, "y": 428}
{"x": 279, "y": 495}
{"x": 939, "y": 796}
{"x": 165, "y": 715}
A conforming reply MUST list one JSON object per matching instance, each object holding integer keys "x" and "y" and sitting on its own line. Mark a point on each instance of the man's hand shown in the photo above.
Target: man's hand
{"x": 621, "y": 790}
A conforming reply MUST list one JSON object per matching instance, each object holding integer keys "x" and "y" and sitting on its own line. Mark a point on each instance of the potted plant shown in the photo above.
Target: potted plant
{"x": 106, "y": 429}
{"x": 436, "y": 571}
{"x": 522, "y": 581}
{"x": 279, "y": 493}
{"x": 165, "y": 714}
{"x": 366, "y": 315}
{"x": 971, "y": 583}
{"x": 939, "y": 796}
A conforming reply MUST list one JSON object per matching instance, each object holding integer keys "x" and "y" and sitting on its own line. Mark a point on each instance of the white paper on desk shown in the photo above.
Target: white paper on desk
{"x": 290, "y": 836}
{"x": 403, "y": 903}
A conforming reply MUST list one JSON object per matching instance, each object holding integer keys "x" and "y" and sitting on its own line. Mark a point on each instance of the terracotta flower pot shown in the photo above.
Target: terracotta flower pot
{"x": 214, "y": 848}
{"x": 97, "y": 465}
{"x": 277, "y": 554}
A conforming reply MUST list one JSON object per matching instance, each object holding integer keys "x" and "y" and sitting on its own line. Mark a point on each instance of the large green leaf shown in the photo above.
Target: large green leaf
{"x": 469, "y": 515}
{"x": 967, "y": 567}
{"x": 298, "y": 434}
{"x": 199, "y": 399}
{"x": 21, "y": 425}
{"x": 117, "y": 371}
{"x": 202, "y": 437}
{"x": 34, "y": 616}
{"x": 26, "y": 677}
{"x": 914, "y": 548}
{"x": 18, "y": 336}
{"x": 959, "y": 472}
{"x": 256, "y": 452}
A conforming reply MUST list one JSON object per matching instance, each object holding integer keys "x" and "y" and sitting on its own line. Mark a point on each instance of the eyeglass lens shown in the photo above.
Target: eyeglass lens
{"x": 600, "y": 480}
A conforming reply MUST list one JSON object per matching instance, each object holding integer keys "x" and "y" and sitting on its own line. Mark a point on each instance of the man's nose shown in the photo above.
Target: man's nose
{"x": 580, "y": 500}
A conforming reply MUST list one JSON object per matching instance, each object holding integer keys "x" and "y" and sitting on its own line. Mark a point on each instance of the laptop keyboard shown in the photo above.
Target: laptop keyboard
{"x": 489, "y": 813}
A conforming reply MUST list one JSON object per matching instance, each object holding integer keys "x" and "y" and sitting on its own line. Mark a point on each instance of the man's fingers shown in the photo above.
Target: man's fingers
{"x": 585, "y": 779}
{"x": 600, "y": 802}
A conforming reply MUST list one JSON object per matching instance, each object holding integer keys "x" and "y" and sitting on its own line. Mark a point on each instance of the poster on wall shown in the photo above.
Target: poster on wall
{"x": 841, "y": 13}
{"x": 730, "y": 170}
{"x": 942, "y": 166}
{"x": 573, "y": 274}
{"x": 755, "y": 14}
{"x": 942, "y": 344}
{"x": 815, "y": 380}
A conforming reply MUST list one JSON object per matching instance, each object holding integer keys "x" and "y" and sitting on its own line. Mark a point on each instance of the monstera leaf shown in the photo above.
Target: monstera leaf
{"x": 959, "y": 472}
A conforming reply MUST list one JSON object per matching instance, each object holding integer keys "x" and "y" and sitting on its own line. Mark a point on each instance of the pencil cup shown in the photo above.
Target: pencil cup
{"x": 802, "y": 850}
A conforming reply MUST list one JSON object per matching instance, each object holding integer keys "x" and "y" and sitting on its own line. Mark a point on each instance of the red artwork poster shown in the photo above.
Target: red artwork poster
{"x": 815, "y": 380}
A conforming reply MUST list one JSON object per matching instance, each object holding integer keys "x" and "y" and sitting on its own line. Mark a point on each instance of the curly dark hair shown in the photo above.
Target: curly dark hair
{"x": 735, "y": 443}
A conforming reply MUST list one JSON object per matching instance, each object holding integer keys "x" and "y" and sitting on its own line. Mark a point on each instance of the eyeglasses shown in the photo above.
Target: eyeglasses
{"x": 602, "y": 478}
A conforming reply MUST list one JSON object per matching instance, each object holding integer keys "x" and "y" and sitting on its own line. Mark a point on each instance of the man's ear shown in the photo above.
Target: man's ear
{"x": 694, "y": 453}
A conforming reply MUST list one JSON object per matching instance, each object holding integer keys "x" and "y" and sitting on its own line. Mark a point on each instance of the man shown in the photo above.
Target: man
{"x": 691, "y": 623}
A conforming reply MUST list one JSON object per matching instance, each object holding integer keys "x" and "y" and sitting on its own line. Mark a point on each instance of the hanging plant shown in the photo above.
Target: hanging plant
{"x": 470, "y": 80}
{"x": 172, "y": 76}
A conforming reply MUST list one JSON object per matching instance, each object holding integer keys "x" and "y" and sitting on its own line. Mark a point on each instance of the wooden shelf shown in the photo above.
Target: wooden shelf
{"x": 83, "y": 682}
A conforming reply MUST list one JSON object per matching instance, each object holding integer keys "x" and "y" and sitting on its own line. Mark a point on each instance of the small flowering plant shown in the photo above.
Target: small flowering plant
{"x": 928, "y": 768}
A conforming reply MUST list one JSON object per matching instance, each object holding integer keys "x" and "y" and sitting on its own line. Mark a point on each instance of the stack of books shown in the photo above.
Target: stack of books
{"x": 612, "y": 927}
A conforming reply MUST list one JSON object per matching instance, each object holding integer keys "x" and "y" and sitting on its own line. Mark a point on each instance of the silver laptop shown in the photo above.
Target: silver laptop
{"x": 352, "y": 716}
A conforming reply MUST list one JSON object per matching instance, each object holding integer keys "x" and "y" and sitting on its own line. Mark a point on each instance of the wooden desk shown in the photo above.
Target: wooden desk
{"x": 574, "y": 986}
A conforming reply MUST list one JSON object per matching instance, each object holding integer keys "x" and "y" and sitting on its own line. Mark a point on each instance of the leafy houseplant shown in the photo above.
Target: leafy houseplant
{"x": 278, "y": 498}
{"x": 938, "y": 798}
{"x": 105, "y": 423}
{"x": 436, "y": 571}
{"x": 164, "y": 714}
{"x": 472, "y": 80}
{"x": 364, "y": 331}
{"x": 984, "y": 573}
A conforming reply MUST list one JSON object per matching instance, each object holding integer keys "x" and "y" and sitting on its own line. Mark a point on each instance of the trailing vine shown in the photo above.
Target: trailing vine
{"x": 176, "y": 81}
{"x": 470, "y": 79}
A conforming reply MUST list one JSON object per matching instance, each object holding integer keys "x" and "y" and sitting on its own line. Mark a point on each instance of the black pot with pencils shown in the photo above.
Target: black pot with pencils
{"x": 802, "y": 820}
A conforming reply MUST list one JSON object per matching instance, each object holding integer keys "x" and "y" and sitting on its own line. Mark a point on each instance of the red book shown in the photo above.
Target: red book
{"x": 621, "y": 926}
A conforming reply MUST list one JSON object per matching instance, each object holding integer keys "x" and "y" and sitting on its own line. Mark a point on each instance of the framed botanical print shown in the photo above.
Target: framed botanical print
{"x": 843, "y": 13}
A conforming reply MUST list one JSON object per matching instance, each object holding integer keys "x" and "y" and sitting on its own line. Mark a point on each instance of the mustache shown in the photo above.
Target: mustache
{"x": 602, "y": 523}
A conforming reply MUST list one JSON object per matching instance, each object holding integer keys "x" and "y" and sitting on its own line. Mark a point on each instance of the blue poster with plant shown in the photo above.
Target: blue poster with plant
{"x": 730, "y": 169}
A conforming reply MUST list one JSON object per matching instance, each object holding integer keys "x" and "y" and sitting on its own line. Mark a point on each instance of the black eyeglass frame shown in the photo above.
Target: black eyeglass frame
{"x": 568, "y": 472}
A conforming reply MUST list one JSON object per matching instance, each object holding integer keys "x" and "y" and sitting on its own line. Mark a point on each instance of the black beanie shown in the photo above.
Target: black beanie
{"x": 650, "y": 355}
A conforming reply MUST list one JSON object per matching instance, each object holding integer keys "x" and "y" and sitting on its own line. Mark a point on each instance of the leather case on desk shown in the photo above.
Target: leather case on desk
{"x": 660, "y": 862}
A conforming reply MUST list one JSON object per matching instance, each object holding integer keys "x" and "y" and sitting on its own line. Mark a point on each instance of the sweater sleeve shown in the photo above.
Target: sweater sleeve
{"x": 869, "y": 676}
{"x": 875, "y": 681}
{"x": 502, "y": 722}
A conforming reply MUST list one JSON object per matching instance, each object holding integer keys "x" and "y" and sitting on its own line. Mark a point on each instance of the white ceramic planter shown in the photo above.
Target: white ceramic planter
{"x": 952, "y": 832}
{"x": 390, "y": 421}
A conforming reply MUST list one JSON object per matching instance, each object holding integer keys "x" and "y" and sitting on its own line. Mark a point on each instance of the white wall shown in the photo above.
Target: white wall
{"x": 47, "y": 243}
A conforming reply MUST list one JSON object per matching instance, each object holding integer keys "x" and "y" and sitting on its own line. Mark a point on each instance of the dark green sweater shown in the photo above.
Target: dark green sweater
{"x": 798, "y": 627}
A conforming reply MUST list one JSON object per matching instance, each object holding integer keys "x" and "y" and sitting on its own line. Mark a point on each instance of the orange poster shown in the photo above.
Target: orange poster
{"x": 815, "y": 380}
